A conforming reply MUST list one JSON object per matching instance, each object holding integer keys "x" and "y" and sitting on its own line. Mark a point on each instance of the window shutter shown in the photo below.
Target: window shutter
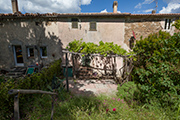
{"x": 92, "y": 26}
{"x": 74, "y": 24}
{"x": 169, "y": 24}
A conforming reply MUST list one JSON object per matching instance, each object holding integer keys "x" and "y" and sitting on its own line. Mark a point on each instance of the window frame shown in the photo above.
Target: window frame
{"x": 28, "y": 51}
{"x": 42, "y": 52}
{"x": 167, "y": 24}
{"x": 74, "y": 21}
{"x": 90, "y": 26}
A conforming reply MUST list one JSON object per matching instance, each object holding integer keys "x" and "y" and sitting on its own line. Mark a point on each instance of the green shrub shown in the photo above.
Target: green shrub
{"x": 157, "y": 68}
{"x": 126, "y": 91}
{"x": 37, "y": 81}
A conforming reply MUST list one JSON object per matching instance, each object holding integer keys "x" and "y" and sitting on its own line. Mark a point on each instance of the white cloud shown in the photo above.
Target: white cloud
{"x": 148, "y": 10}
{"x": 104, "y": 11}
{"x": 171, "y": 1}
{"x": 172, "y": 7}
{"x": 86, "y": 2}
{"x": 5, "y": 6}
{"x": 139, "y": 5}
{"x": 44, "y": 6}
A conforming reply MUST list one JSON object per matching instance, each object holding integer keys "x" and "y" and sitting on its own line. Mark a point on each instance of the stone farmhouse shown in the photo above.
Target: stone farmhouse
{"x": 29, "y": 38}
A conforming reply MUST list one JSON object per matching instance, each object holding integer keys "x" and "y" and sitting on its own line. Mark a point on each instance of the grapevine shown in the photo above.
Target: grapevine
{"x": 91, "y": 48}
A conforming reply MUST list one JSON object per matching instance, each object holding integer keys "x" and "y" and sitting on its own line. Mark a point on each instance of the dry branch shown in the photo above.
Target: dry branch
{"x": 22, "y": 91}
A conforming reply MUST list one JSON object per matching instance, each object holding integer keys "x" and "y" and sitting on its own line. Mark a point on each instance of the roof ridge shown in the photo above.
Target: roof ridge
{"x": 83, "y": 14}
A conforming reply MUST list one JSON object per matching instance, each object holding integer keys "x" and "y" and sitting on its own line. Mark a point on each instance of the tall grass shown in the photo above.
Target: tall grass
{"x": 69, "y": 107}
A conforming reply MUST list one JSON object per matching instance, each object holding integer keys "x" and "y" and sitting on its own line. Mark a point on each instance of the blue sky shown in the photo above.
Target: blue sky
{"x": 123, "y": 6}
{"x": 73, "y": 6}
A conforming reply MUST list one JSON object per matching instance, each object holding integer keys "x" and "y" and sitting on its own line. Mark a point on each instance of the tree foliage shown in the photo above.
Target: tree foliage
{"x": 177, "y": 24}
{"x": 157, "y": 67}
{"x": 90, "y": 48}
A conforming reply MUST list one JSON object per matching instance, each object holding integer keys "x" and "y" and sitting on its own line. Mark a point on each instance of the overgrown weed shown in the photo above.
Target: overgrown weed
{"x": 69, "y": 107}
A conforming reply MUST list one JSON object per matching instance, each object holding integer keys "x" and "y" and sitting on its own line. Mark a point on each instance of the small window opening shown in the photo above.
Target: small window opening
{"x": 38, "y": 23}
{"x": 43, "y": 52}
{"x": 92, "y": 26}
{"x": 74, "y": 23}
{"x": 167, "y": 24}
{"x": 30, "y": 52}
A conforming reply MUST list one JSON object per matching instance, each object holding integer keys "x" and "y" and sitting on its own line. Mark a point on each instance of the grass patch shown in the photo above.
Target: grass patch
{"x": 69, "y": 107}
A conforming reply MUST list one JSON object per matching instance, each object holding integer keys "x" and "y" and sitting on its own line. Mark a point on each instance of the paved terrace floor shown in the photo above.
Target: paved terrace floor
{"x": 93, "y": 87}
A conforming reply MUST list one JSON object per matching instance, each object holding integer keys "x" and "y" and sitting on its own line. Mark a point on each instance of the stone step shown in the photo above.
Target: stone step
{"x": 15, "y": 73}
{"x": 14, "y": 76}
{"x": 18, "y": 69}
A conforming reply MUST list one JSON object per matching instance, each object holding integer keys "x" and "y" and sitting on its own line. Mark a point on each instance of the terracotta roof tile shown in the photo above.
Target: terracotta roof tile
{"x": 158, "y": 14}
{"x": 19, "y": 14}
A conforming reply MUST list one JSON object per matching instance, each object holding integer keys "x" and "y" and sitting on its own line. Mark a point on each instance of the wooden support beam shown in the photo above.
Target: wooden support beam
{"x": 52, "y": 109}
{"x": 67, "y": 82}
{"x": 115, "y": 68}
{"x": 22, "y": 91}
{"x": 16, "y": 107}
{"x": 74, "y": 67}
{"x": 75, "y": 53}
{"x": 17, "y": 93}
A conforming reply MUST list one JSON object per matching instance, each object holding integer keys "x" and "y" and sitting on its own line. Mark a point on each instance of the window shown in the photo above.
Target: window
{"x": 92, "y": 26}
{"x": 167, "y": 24}
{"x": 43, "y": 52}
{"x": 74, "y": 23}
{"x": 30, "y": 51}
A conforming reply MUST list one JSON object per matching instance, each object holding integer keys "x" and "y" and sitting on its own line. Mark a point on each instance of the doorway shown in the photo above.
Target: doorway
{"x": 18, "y": 57}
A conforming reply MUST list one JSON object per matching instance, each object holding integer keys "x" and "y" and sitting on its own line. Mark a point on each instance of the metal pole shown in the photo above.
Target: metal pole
{"x": 67, "y": 73}
{"x": 16, "y": 107}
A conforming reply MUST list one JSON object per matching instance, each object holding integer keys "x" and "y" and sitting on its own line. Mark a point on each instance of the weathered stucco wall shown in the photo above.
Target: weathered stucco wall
{"x": 27, "y": 33}
{"x": 58, "y": 32}
{"x": 108, "y": 30}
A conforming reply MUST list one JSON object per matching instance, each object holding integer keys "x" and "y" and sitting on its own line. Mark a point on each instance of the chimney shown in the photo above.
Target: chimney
{"x": 115, "y": 5}
{"x": 14, "y": 6}
{"x": 154, "y": 11}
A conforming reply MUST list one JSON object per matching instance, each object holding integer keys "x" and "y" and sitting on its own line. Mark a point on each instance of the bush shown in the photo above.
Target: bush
{"x": 127, "y": 90}
{"x": 37, "y": 81}
{"x": 157, "y": 68}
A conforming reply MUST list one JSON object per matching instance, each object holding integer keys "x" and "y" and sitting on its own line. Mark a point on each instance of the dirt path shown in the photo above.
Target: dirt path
{"x": 92, "y": 87}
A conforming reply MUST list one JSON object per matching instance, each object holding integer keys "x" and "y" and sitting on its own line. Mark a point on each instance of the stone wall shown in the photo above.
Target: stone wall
{"x": 58, "y": 32}
{"x": 140, "y": 29}
{"x": 145, "y": 27}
